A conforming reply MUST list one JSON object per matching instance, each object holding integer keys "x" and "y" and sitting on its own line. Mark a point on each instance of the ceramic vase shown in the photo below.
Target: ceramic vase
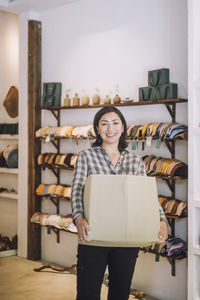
{"x": 107, "y": 100}
{"x": 96, "y": 99}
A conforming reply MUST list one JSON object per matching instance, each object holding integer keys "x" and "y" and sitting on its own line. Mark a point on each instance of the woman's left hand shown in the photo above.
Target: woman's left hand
{"x": 163, "y": 234}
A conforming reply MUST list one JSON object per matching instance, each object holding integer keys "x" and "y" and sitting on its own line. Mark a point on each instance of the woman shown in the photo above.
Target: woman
{"x": 107, "y": 156}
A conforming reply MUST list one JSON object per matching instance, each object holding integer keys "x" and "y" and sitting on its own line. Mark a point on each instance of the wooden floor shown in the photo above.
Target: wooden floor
{"x": 18, "y": 281}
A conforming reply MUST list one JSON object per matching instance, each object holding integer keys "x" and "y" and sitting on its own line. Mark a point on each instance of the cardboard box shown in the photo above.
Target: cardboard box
{"x": 122, "y": 210}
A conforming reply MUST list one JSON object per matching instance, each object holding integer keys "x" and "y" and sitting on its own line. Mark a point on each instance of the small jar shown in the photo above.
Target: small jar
{"x": 76, "y": 100}
{"x": 67, "y": 101}
{"x": 116, "y": 99}
{"x": 107, "y": 100}
{"x": 96, "y": 99}
{"x": 85, "y": 100}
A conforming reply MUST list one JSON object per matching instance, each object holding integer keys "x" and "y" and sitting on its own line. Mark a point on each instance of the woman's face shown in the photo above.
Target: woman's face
{"x": 110, "y": 128}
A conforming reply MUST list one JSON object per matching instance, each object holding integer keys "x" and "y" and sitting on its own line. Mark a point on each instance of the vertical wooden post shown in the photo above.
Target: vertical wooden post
{"x": 34, "y": 123}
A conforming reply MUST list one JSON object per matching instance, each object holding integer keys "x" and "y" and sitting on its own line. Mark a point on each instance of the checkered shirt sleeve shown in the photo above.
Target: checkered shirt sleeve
{"x": 80, "y": 175}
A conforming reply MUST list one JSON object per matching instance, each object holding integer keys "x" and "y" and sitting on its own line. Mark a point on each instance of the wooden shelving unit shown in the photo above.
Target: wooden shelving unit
{"x": 171, "y": 108}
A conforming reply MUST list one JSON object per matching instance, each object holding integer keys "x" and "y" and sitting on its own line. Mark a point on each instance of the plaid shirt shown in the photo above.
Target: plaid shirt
{"x": 96, "y": 161}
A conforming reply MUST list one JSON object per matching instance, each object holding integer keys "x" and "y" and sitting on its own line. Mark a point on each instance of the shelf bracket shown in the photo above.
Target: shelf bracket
{"x": 172, "y": 225}
{"x": 171, "y": 147}
{"x": 56, "y": 172}
{"x": 56, "y": 144}
{"x": 56, "y": 115}
{"x": 56, "y": 203}
{"x": 55, "y": 230}
{"x": 173, "y": 265}
{"x": 172, "y": 111}
{"x": 171, "y": 185}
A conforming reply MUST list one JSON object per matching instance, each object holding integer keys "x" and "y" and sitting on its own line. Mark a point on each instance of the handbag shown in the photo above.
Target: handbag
{"x": 51, "y": 94}
{"x": 167, "y": 91}
{"x": 147, "y": 93}
{"x": 158, "y": 77}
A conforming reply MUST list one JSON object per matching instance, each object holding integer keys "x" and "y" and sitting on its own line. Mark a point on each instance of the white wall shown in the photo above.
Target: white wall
{"x": 9, "y": 36}
{"x": 100, "y": 44}
{"x": 8, "y": 76}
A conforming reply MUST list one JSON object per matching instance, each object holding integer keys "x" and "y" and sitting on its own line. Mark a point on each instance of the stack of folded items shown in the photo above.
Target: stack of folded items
{"x": 60, "y": 222}
{"x": 57, "y": 190}
{"x": 66, "y": 131}
{"x": 172, "y": 246}
{"x": 165, "y": 167}
{"x": 173, "y": 207}
{"x": 158, "y": 130}
{"x": 57, "y": 160}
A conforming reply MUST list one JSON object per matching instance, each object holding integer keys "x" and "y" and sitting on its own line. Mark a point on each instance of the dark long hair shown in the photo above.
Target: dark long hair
{"x": 107, "y": 109}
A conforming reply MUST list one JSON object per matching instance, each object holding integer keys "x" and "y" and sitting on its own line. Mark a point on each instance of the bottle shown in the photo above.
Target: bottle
{"x": 67, "y": 101}
{"x": 76, "y": 100}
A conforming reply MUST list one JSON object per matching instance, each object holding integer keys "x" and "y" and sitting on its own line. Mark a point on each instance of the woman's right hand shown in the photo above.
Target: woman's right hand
{"x": 83, "y": 228}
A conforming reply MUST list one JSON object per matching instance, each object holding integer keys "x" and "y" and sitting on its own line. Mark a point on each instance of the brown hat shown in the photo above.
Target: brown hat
{"x": 11, "y": 102}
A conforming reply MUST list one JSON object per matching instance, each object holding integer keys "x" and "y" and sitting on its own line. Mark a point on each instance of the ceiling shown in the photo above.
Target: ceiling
{"x": 20, "y": 6}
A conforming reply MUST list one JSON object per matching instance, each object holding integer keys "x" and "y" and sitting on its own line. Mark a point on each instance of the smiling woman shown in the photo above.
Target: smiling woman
{"x": 107, "y": 156}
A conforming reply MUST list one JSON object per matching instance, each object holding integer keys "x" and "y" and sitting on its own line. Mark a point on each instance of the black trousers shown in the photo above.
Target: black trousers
{"x": 91, "y": 265}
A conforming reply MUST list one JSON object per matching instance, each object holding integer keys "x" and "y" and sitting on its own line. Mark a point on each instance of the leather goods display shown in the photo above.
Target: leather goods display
{"x": 173, "y": 207}
{"x": 118, "y": 209}
{"x": 51, "y": 94}
{"x": 58, "y": 190}
{"x": 167, "y": 91}
{"x": 158, "y": 87}
{"x": 6, "y": 243}
{"x": 67, "y": 131}
{"x": 147, "y": 93}
{"x": 6, "y": 128}
{"x": 165, "y": 167}
{"x": 172, "y": 246}
{"x": 58, "y": 221}
{"x": 158, "y": 77}
{"x": 57, "y": 160}
{"x": 159, "y": 130}
{"x": 11, "y": 102}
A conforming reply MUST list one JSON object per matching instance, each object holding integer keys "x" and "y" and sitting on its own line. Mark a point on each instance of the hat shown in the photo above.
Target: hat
{"x": 11, "y": 102}
{"x": 12, "y": 160}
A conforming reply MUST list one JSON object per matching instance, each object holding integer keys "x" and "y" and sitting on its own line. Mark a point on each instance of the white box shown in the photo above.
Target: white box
{"x": 122, "y": 210}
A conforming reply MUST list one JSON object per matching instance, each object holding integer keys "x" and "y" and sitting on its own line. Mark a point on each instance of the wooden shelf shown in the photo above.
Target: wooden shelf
{"x": 134, "y": 103}
{"x": 128, "y": 139}
{"x": 8, "y": 137}
{"x": 175, "y": 217}
{"x": 56, "y": 167}
{"x": 9, "y": 195}
{"x": 55, "y": 230}
{"x": 176, "y": 257}
{"x": 9, "y": 170}
{"x": 59, "y": 198}
{"x": 6, "y": 253}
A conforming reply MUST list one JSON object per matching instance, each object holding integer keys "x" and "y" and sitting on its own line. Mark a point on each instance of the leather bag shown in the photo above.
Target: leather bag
{"x": 51, "y": 94}
{"x": 158, "y": 77}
